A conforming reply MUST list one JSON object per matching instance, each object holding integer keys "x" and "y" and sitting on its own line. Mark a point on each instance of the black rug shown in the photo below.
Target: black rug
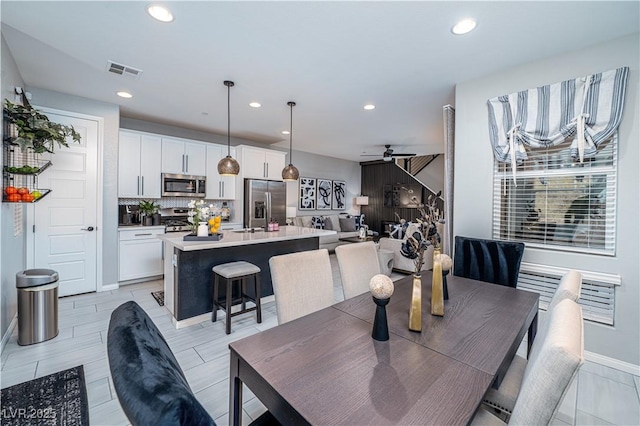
{"x": 57, "y": 399}
{"x": 159, "y": 296}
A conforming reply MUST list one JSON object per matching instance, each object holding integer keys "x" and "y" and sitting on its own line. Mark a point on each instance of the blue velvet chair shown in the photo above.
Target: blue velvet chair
{"x": 149, "y": 382}
{"x": 492, "y": 261}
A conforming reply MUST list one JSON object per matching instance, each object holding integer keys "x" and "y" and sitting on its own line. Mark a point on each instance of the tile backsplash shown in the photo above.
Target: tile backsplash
{"x": 173, "y": 202}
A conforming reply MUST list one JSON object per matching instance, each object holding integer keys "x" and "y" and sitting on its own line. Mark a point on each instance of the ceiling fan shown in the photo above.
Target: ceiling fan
{"x": 388, "y": 154}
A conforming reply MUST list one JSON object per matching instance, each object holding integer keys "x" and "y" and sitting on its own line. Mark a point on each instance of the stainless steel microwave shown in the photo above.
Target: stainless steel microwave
{"x": 183, "y": 185}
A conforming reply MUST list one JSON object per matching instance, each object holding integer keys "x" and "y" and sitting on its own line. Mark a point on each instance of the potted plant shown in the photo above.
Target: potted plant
{"x": 33, "y": 130}
{"x": 149, "y": 209}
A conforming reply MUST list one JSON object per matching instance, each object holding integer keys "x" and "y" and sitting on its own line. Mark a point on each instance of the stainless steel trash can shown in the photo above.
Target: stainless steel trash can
{"x": 37, "y": 305}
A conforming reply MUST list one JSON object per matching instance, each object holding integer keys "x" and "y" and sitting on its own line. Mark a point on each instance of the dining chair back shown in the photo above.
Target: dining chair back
{"x": 492, "y": 261}
{"x": 302, "y": 283}
{"x": 569, "y": 288}
{"x": 551, "y": 370}
{"x": 151, "y": 387}
{"x": 358, "y": 263}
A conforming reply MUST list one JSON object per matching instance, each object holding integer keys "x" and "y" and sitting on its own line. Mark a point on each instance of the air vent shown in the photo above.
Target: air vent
{"x": 121, "y": 69}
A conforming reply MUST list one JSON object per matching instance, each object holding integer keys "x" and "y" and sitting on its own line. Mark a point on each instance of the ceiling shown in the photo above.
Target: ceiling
{"x": 331, "y": 58}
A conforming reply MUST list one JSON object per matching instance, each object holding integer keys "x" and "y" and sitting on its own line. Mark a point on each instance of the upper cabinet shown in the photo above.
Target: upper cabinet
{"x": 183, "y": 157}
{"x": 258, "y": 163}
{"x": 139, "y": 160}
{"x": 219, "y": 187}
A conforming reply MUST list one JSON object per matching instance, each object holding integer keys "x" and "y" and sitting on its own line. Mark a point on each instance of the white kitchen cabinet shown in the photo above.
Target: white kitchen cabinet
{"x": 183, "y": 157}
{"x": 257, "y": 163}
{"x": 219, "y": 187}
{"x": 140, "y": 253}
{"x": 139, "y": 165}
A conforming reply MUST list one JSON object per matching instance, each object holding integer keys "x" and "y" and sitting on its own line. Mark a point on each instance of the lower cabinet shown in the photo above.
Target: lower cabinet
{"x": 140, "y": 253}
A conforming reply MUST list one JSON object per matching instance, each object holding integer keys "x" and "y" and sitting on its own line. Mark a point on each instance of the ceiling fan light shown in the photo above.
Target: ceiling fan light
{"x": 228, "y": 166}
{"x": 290, "y": 173}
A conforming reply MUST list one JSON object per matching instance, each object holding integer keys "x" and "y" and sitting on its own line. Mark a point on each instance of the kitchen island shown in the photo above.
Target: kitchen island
{"x": 188, "y": 285}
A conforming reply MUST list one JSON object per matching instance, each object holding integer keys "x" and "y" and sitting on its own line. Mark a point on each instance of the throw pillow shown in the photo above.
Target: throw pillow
{"x": 317, "y": 222}
{"x": 306, "y": 221}
{"x": 328, "y": 224}
{"x": 347, "y": 224}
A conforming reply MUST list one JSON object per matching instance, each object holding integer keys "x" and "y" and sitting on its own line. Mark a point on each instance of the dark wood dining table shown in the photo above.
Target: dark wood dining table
{"x": 325, "y": 368}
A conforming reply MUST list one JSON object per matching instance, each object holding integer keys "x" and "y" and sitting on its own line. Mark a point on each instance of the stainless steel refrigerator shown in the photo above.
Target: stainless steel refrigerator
{"x": 264, "y": 200}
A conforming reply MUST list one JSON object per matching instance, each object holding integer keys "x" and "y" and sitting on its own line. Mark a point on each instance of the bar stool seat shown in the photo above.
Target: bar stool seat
{"x": 236, "y": 272}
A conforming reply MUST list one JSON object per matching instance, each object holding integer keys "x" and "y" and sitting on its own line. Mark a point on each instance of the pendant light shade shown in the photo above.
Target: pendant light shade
{"x": 290, "y": 173}
{"x": 228, "y": 166}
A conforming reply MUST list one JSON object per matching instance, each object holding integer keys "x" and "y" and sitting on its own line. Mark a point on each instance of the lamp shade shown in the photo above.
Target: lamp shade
{"x": 362, "y": 200}
{"x": 291, "y": 212}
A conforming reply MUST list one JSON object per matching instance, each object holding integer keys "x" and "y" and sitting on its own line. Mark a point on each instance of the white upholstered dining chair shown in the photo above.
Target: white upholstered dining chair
{"x": 549, "y": 372}
{"x": 358, "y": 263}
{"x": 302, "y": 283}
{"x": 504, "y": 398}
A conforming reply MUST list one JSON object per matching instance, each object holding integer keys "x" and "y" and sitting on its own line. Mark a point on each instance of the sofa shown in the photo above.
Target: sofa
{"x": 345, "y": 225}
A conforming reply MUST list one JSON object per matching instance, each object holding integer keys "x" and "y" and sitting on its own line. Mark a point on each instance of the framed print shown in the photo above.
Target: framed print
{"x": 339, "y": 194}
{"x": 307, "y": 193}
{"x": 323, "y": 194}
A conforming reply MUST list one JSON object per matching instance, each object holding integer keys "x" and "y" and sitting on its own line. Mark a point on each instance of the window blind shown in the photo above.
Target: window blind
{"x": 597, "y": 297}
{"x": 558, "y": 202}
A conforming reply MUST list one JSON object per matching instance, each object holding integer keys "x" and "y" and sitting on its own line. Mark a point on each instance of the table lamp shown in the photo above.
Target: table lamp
{"x": 291, "y": 213}
{"x": 362, "y": 200}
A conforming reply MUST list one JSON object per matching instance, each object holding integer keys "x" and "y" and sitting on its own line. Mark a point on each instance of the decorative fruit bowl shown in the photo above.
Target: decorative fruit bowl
{"x": 23, "y": 194}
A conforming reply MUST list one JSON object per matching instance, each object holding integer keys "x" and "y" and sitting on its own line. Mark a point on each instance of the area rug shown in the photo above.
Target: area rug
{"x": 57, "y": 399}
{"x": 159, "y": 296}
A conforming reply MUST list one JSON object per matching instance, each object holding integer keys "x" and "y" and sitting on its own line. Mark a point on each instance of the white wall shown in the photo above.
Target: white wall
{"x": 320, "y": 166}
{"x": 12, "y": 248}
{"x": 473, "y": 180}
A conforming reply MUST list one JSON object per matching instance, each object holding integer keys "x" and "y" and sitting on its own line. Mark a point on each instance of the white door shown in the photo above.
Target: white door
{"x": 65, "y": 221}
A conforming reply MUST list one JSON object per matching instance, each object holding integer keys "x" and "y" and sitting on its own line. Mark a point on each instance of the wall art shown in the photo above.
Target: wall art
{"x": 323, "y": 195}
{"x": 339, "y": 195}
{"x": 307, "y": 193}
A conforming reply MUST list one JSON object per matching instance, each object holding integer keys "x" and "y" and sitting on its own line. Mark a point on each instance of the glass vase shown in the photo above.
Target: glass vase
{"x": 415, "y": 312}
{"x": 437, "y": 292}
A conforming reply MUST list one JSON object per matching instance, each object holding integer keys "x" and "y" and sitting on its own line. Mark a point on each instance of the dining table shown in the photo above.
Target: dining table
{"x": 326, "y": 369}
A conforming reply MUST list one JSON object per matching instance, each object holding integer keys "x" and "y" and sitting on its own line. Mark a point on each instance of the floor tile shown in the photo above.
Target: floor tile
{"x": 636, "y": 380}
{"x": 608, "y": 372}
{"x": 98, "y": 392}
{"x": 607, "y": 399}
{"x": 13, "y": 376}
{"x": 108, "y": 414}
{"x": 584, "y": 419}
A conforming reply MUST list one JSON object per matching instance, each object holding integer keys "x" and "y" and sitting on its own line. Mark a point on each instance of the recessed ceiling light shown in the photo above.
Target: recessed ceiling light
{"x": 160, "y": 13}
{"x": 285, "y": 132}
{"x": 255, "y": 105}
{"x": 464, "y": 26}
{"x": 123, "y": 94}
{"x": 369, "y": 107}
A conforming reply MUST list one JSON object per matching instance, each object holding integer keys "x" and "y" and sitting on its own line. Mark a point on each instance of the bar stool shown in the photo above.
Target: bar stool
{"x": 234, "y": 272}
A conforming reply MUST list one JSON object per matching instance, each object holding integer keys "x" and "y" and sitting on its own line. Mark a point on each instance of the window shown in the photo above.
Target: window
{"x": 558, "y": 202}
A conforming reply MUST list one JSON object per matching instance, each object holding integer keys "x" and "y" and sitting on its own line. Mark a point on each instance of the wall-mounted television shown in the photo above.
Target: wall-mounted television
{"x": 405, "y": 195}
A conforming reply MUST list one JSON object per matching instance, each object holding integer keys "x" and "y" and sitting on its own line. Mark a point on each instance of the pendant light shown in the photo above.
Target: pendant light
{"x": 228, "y": 166}
{"x": 290, "y": 173}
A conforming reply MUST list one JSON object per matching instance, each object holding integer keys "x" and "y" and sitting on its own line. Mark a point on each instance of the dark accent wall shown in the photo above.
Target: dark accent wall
{"x": 374, "y": 176}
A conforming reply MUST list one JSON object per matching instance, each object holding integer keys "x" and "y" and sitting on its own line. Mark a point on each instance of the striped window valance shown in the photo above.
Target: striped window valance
{"x": 584, "y": 112}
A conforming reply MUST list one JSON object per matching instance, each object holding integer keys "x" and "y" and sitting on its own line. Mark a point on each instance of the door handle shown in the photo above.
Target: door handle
{"x": 90, "y": 228}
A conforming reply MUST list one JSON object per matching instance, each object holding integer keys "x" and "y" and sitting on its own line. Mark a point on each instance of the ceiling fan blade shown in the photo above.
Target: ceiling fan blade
{"x": 403, "y": 155}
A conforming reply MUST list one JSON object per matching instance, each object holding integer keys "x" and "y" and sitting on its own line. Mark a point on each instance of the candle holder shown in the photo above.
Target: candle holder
{"x": 381, "y": 288}
{"x": 380, "y": 326}
{"x": 445, "y": 290}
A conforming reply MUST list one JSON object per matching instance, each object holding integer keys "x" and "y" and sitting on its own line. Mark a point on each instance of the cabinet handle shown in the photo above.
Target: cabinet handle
{"x": 222, "y": 188}
{"x": 267, "y": 175}
{"x": 186, "y": 163}
{"x": 142, "y": 235}
{"x": 142, "y": 185}
{"x": 264, "y": 169}
{"x": 219, "y": 189}
{"x": 138, "y": 191}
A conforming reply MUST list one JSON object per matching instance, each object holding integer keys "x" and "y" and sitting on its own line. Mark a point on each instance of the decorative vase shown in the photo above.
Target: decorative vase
{"x": 437, "y": 292}
{"x": 203, "y": 229}
{"x": 415, "y": 312}
{"x": 380, "y": 326}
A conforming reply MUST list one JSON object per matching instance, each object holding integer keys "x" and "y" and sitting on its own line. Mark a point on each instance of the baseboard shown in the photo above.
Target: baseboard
{"x": 9, "y": 332}
{"x": 109, "y": 287}
{"x": 613, "y": 363}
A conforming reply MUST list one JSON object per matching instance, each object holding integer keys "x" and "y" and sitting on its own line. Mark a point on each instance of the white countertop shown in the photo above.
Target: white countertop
{"x": 233, "y": 239}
